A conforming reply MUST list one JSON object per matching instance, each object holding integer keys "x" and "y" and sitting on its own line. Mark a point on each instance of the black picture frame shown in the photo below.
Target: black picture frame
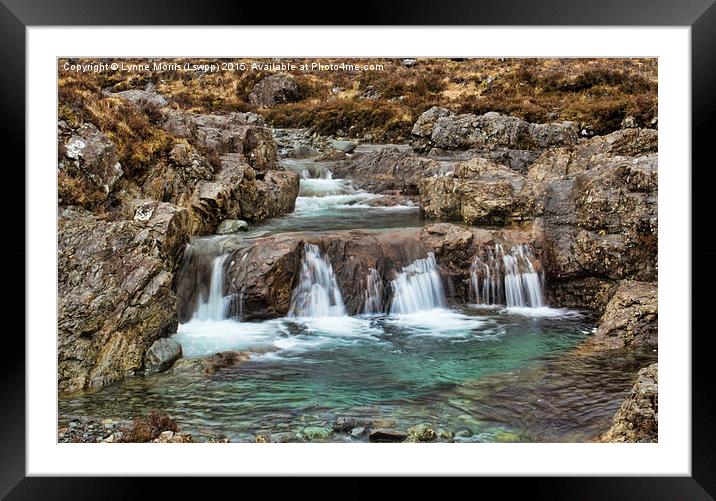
{"x": 700, "y": 15}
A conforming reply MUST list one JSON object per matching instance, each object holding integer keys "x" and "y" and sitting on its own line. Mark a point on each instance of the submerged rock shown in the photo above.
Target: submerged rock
{"x": 316, "y": 433}
{"x": 387, "y": 435}
{"x": 637, "y": 418}
{"x": 161, "y": 355}
{"x": 422, "y": 433}
{"x": 229, "y": 226}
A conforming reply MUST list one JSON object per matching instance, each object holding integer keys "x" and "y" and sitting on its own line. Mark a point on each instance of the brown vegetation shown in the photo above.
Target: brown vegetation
{"x": 597, "y": 93}
{"x": 146, "y": 429}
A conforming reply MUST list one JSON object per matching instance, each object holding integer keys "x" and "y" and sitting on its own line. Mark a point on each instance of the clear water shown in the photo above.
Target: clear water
{"x": 482, "y": 372}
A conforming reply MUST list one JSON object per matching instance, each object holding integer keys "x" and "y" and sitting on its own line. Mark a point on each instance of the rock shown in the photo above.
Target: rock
{"x": 344, "y": 424}
{"x": 170, "y": 437}
{"x": 275, "y": 89}
{"x": 283, "y": 438}
{"x": 490, "y": 131}
{"x": 240, "y": 133}
{"x": 481, "y": 192}
{"x": 115, "y": 293}
{"x": 331, "y": 155}
{"x": 229, "y": 226}
{"x": 273, "y": 196}
{"x": 224, "y": 360}
{"x": 387, "y": 435}
{"x": 304, "y": 152}
{"x": 262, "y": 271}
{"x": 189, "y": 162}
{"x": 142, "y": 98}
{"x": 94, "y": 156}
{"x": 409, "y": 63}
{"x": 423, "y": 127}
{"x": 387, "y": 169}
{"x": 344, "y": 146}
{"x": 559, "y": 162}
{"x": 161, "y": 355}
{"x": 358, "y": 432}
{"x": 603, "y": 221}
{"x": 422, "y": 433}
{"x": 316, "y": 433}
{"x": 630, "y": 318}
{"x": 637, "y": 418}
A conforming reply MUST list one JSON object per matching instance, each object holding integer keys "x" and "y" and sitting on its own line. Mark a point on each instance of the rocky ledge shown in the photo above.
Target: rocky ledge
{"x": 638, "y": 418}
{"x": 121, "y": 243}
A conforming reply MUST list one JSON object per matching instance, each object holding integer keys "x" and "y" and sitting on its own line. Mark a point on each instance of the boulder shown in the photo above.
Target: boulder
{"x": 93, "y": 155}
{"x": 115, "y": 293}
{"x": 344, "y": 146}
{"x": 481, "y": 192}
{"x": 563, "y": 161}
{"x": 387, "y": 435}
{"x": 637, "y": 420}
{"x": 630, "y": 318}
{"x": 274, "y": 89}
{"x": 387, "y": 169}
{"x": 273, "y": 196}
{"x": 423, "y": 127}
{"x": 161, "y": 355}
{"x": 491, "y": 131}
{"x": 229, "y": 226}
{"x": 241, "y": 133}
{"x": 603, "y": 222}
{"x": 142, "y": 98}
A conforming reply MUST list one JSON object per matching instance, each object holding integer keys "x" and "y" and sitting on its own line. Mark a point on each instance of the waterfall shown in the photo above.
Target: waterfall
{"x": 373, "y": 293}
{"x": 317, "y": 293}
{"x": 215, "y": 306}
{"x": 418, "y": 287}
{"x": 510, "y": 278}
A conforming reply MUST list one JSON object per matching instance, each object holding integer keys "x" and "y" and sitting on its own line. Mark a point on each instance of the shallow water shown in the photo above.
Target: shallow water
{"x": 487, "y": 374}
{"x": 482, "y": 372}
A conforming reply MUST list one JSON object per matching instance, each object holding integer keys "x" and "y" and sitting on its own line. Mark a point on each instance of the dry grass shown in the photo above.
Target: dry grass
{"x": 598, "y": 93}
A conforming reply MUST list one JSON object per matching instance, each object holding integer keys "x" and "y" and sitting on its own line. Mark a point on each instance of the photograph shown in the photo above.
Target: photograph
{"x": 357, "y": 250}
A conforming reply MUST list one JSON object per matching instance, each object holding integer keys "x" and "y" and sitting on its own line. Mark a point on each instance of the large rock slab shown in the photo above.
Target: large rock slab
{"x": 488, "y": 132}
{"x": 481, "y": 192}
{"x": 387, "y": 169}
{"x": 115, "y": 293}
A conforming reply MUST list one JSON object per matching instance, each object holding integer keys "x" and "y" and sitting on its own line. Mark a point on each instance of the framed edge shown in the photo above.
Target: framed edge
{"x": 15, "y": 15}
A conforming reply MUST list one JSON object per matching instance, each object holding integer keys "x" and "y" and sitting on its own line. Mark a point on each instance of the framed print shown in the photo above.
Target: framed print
{"x": 431, "y": 249}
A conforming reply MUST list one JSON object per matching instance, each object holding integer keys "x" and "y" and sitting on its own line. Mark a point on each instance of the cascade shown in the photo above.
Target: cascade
{"x": 316, "y": 294}
{"x": 215, "y": 305}
{"x": 373, "y": 293}
{"x": 499, "y": 277}
{"x": 418, "y": 287}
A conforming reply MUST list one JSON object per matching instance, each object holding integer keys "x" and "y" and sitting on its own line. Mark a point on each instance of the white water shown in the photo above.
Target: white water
{"x": 506, "y": 278}
{"x": 317, "y": 293}
{"x": 373, "y": 293}
{"x": 418, "y": 287}
{"x": 215, "y": 306}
